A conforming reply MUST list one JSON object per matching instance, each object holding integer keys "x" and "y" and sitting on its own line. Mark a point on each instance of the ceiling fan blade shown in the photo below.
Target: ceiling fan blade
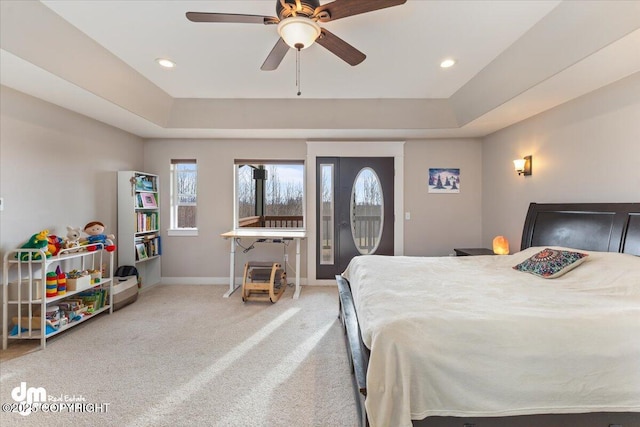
{"x": 340, "y": 48}
{"x": 230, "y": 17}
{"x": 342, "y": 8}
{"x": 276, "y": 56}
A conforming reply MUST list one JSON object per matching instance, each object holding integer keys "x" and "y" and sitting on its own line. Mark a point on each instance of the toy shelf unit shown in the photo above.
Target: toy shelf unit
{"x": 139, "y": 241}
{"x": 54, "y": 294}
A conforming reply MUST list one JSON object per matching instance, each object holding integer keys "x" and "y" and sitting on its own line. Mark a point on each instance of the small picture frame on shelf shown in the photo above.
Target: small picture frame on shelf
{"x": 139, "y": 183}
{"x": 148, "y": 200}
{"x": 141, "y": 251}
{"x": 143, "y": 183}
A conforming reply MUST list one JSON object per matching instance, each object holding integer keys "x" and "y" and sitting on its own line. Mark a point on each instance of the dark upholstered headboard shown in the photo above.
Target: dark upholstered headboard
{"x": 604, "y": 227}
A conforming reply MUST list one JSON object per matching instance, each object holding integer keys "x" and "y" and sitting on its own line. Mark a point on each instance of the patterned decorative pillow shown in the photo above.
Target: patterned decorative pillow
{"x": 551, "y": 263}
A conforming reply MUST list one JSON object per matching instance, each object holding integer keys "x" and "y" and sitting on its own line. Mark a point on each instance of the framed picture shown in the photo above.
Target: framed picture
{"x": 143, "y": 183}
{"x": 444, "y": 180}
{"x": 148, "y": 200}
{"x": 139, "y": 183}
{"x": 141, "y": 251}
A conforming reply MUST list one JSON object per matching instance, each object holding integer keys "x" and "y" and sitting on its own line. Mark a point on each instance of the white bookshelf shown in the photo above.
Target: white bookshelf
{"x": 139, "y": 241}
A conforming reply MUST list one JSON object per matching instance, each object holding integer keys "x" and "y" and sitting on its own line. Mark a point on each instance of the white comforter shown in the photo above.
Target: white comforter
{"x": 470, "y": 336}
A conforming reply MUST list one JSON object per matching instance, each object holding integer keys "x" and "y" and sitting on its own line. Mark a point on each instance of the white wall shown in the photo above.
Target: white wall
{"x": 205, "y": 258}
{"x": 57, "y": 168}
{"x": 441, "y": 222}
{"x": 587, "y": 150}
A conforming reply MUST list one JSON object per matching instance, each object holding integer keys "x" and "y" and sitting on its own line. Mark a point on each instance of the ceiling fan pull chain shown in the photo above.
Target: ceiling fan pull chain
{"x": 298, "y": 70}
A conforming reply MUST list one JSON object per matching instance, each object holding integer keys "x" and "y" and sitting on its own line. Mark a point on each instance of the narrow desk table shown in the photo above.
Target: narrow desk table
{"x": 270, "y": 234}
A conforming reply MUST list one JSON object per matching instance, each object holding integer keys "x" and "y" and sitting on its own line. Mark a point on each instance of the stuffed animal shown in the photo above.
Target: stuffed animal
{"x": 54, "y": 244}
{"x": 37, "y": 241}
{"x": 72, "y": 241}
{"x": 95, "y": 231}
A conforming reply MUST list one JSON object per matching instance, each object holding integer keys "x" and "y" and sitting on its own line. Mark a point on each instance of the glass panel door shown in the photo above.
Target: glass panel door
{"x": 367, "y": 211}
{"x": 354, "y": 210}
{"x": 326, "y": 241}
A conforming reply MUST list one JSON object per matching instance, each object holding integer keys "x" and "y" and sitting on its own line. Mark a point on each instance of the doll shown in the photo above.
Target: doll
{"x": 95, "y": 231}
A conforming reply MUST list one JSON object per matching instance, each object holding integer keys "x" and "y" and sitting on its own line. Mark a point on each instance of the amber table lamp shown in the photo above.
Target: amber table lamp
{"x": 500, "y": 245}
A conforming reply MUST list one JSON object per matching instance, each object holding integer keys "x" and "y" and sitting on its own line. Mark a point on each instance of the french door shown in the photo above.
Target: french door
{"x": 354, "y": 210}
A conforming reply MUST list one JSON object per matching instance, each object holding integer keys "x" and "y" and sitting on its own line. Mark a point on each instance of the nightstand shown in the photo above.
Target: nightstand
{"x": 473, "y": 252}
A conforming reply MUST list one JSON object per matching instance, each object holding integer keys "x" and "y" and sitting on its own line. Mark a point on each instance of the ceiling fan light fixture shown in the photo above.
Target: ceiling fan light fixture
{"x": 298, "y": 32}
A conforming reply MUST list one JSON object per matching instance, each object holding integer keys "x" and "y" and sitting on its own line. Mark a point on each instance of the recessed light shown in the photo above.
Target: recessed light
{"x": 166, "y": 63}
{"x": 447, "y": 63}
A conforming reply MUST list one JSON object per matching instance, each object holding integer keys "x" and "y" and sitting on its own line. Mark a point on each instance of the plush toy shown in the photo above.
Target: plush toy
{"x": 54, "y": 244}
{"x": 37, "y": 241}
{"x": 72, "y": 241}
{"x": 95, "y": 232}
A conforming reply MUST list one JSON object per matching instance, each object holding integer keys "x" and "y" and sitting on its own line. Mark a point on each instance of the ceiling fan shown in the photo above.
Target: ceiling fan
{"x": 298, "y": 26}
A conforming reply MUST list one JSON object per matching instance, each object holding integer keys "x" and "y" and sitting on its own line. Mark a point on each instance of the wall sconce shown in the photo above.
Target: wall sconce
{"x": 523, "y": 166}
{"x": 500, "y": 245}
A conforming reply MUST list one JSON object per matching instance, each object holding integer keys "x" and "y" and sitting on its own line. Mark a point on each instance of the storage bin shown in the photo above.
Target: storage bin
{"x": 36, "y": 286}
{"x": 125, "y": 291}
{"x": 35, "y": 322}
{"x": 53, "y": 313}
{"x": 81, "y": 282}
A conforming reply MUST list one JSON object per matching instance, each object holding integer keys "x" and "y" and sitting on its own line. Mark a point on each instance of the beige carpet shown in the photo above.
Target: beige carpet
{"x": 183, "y": 355}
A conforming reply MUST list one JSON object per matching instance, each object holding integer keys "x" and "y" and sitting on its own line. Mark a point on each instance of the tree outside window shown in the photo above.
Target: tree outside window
{"x": 270, "y": 194}
{"x": 184, "y": 197}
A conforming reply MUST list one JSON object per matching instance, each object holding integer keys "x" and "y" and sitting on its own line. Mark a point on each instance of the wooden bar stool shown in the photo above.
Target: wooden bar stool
{"x": 263, "y": 281}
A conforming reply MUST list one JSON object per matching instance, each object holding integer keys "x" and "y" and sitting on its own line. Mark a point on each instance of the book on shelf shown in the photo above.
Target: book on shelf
{"x": 97, "y": 297}
{"x": 153, "y": 246}
{"x": 147, "y": 221}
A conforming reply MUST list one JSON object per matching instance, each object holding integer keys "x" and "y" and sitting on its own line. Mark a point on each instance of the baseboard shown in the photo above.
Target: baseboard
{"x": 198, "y": 280}
{"x": 225, "y": 281}
{"x": 148, "y": 287}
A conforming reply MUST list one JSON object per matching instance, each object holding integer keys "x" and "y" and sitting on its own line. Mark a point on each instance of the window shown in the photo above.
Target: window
{"x": 327, "y": 213}
{"x": 269, "y": 193}
{"x": 184, "y": 197}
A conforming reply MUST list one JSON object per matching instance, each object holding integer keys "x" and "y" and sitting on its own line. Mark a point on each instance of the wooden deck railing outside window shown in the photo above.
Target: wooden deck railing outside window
{"x": 271, "y": 221}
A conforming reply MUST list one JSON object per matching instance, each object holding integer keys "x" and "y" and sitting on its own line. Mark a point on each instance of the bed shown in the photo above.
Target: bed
{"x": 471, "y": 341}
